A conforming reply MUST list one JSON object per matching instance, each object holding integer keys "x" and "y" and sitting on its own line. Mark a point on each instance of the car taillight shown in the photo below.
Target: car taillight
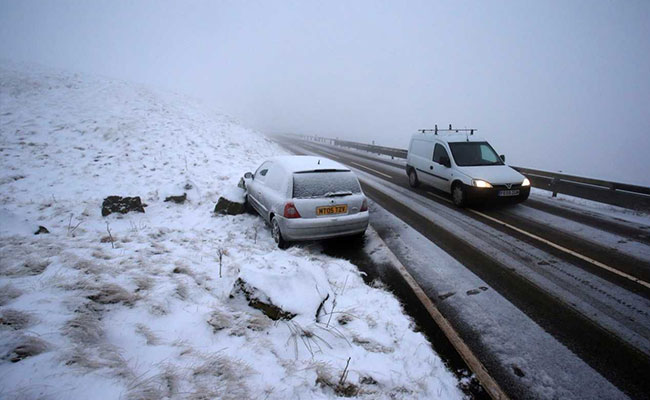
{"x": 364, "y": 206}
{"x": 290, "y": 211}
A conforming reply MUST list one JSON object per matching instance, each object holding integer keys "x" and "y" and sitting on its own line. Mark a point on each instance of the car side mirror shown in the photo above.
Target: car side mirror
{"x": 444, "y": 160}
{"x": 503, "y": 157}
{"x": 248, "y": 175}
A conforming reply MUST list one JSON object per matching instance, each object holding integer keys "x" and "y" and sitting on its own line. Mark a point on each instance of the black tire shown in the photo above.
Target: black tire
{"x": 276, "y": 233}
{"x": 413, "y": 178}
{"x": 459, "y": 194}
{"x": 248, "y": 207}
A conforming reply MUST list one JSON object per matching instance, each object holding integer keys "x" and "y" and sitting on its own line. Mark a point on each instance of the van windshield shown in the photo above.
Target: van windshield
{"x": 473, "y": 154}
{"x": 308, "y": 185}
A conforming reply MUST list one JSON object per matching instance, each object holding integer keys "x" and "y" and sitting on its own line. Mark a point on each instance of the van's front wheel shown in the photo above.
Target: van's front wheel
{"x": 459, "y": 194}
{"x": 413, "y": 178}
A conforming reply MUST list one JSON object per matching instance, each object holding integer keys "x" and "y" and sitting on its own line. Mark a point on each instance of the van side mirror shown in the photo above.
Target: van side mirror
{"x": 248, "y": 175}
{"x": 503, "y": 157}
{"x": 444, "y": 160}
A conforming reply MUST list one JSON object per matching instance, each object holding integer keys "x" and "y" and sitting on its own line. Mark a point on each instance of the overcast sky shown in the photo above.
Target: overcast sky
{"x": 559, "y": 85}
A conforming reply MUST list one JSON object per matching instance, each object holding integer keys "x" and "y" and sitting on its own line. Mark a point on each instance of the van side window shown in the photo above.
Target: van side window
{"x": 439, "y": 152}
{"x": 422, "y": 148}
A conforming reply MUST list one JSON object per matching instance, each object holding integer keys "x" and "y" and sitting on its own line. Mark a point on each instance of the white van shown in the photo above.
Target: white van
{"x": 464, "y": 165}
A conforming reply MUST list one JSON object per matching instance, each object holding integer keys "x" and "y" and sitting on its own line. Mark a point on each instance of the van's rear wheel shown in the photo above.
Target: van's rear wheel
{"x": 277, "y": 234}
{"x": 459, "y": 194}
{"x": 413, "y": 178}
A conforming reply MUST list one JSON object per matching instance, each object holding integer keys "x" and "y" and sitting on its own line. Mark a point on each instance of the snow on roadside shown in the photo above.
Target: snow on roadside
{"x": 138, "y": 305}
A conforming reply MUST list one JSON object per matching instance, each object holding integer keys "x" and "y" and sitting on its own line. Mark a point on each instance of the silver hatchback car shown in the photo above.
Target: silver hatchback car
{"x": 307, "y": 198}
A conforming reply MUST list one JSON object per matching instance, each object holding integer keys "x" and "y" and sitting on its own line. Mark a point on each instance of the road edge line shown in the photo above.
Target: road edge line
{"x": 488, "y": 383}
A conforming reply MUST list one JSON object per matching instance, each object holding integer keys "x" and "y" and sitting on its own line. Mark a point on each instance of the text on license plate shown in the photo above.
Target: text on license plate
{"x": 508, "y": 192}
{"x": 329, "y": 210}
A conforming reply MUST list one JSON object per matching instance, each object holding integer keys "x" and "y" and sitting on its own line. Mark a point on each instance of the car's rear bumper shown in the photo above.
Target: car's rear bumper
{"x": 323, "y": 228}
{"x": 489, "y": 195}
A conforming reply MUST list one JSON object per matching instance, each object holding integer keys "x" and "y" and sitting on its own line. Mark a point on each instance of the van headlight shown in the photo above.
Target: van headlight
{"x": 481, "y": 183}
{"x": 526, "y": 182}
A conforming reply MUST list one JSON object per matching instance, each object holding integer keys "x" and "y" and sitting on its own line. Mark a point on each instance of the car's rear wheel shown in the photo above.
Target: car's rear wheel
{"x": 413, "y": 178}
{"x": 459, "y": 194}
{"x": 277, "y": 234}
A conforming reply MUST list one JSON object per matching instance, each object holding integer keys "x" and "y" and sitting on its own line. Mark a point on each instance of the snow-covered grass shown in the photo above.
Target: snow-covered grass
{"x": 134, "y": 306}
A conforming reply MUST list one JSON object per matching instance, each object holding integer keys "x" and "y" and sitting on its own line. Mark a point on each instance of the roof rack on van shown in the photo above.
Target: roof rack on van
{"x": 436, "y": 130}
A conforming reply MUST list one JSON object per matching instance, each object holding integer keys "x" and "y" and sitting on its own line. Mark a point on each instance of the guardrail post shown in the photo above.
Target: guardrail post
{"x": 554, "y": 184}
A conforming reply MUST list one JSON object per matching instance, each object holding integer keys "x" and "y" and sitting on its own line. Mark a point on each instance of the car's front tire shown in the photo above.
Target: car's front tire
{"x": 413, "y": 179}
{"x": 459, "y": 194}
{"x": 277, "y": 234}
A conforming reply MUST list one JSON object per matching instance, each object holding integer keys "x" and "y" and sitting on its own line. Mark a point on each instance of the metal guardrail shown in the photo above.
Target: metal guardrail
{"x": 634, "y": 197}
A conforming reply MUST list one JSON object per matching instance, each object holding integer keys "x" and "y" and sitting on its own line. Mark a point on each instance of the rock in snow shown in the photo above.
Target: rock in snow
{"x": 259, "y": 300}
{"x": 225, "y": 206}
{"x": 117, "y": 204}
{"x": 177, "y": 199}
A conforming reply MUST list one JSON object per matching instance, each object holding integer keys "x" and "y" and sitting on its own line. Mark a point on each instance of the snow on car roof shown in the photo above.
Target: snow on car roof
{"x": 307, "y": 163}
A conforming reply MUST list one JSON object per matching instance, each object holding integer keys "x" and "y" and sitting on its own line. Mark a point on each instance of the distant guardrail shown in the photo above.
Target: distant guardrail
{"x": 633, "y": 197}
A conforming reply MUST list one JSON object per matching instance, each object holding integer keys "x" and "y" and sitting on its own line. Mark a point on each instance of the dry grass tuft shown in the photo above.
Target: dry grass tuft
{"x": 221, "y": 377}
{"x": 143, "y": 282}
{"x": 148, "y": 334}
{"x": 14, "y": 319}
{"x": 326, "y": 379}
{"x": 87, "y": 267}
{"x": 371, "y": 345}
{"x": 85, "y": 329}
{"x": 28, "y": 346}
{"x": 29, "y": 267}
{"x": 98, "y": 357}
{"x": 112, "y": 294}
{"x": 220, "y": 320}
{"x": 7, "y": 293}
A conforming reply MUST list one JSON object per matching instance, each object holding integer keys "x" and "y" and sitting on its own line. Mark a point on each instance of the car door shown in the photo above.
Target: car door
{"x": 256, "y": 188}
{"x": 441, "y": 174}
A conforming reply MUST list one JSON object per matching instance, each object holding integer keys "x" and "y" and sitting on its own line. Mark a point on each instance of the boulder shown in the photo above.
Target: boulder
{"x": 122, "y": 205}
{"x": 258, "y": 299}
{"x": 229, "y": 207}
{"x": 177, "y": 199}
{"x": 41, "y": 229}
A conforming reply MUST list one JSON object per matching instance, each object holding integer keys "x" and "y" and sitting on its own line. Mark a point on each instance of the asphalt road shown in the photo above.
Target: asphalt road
{"x": 583, "y": 277}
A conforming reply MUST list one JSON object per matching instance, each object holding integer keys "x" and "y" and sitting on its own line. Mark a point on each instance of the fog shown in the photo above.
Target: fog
{"x": 557, "y": 85}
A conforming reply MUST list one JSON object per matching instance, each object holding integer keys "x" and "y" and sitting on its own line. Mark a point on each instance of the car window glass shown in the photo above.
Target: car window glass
{"x": 261, "y": 172}
{"x": 471, "y": 154}
{"x": 488, "y": 154}
{"x": 439, "y": 152}
{"x": 324, "y": 184}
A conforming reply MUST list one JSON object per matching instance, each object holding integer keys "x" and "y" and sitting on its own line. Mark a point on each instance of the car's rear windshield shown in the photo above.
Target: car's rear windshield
{"x": 324, "y": 184}
{"x": 472, "y": 154}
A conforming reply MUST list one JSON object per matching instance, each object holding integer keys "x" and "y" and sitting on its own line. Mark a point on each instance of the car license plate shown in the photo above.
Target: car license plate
{"x": 331, "y": 210}
{"x": 504, "y": 193}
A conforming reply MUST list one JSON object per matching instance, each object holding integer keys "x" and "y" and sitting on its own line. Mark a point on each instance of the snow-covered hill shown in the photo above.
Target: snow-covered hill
{"x": 135, "y": 306}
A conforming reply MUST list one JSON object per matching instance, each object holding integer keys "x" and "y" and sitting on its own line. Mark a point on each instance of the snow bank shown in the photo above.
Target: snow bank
{"x": 138, "y": 305}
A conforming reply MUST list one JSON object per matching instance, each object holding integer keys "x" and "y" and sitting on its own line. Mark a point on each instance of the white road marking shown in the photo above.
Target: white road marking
{"x": 370, "y": 169}
{"x": 564, "y": 249}
{"x": 555, "y": 245}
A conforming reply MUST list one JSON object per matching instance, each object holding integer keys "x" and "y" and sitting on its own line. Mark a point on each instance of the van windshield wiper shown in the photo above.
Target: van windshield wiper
{"x": 337, "y": 194}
